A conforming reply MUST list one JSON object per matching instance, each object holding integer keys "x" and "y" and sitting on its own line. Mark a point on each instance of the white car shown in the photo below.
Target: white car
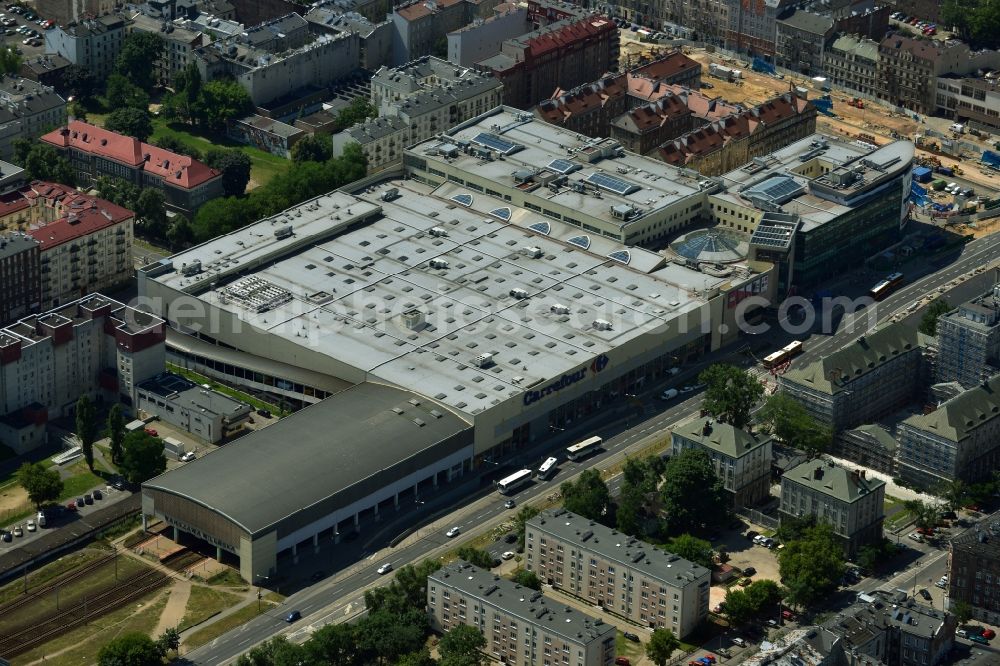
{"x": 669, "y": 394}
{"x": 739, "y": 641}
{"x": 453, "y": 532}
{"x": 507, "y": 555}
{"x": 31, "y": 526}
{"x": 759, "y": 539}
{"x": 384, "y": 569}
{"x": 188, "y": 457}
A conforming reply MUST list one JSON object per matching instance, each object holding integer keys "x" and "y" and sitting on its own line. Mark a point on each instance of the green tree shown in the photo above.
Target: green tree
{"x": 169, "y": 640}
{"x": 221, "y": 101}
{"x": 462, "y": 646}
{"x": 871, "y": 556}
{"x": 86, "y": 428}
{"x": 419, "y": 658}
{"x": 811, "y": 567}
{"x": 407, "y": 590}
{"x": 118, "y": 191}
{"x": 476, "y": 556}
{"x": 764, "y": 595}
{"x": 79, "y": 82}
{"x": 793, "y": 528}
{"x": 131, "y": 649}
{"x": 359, "y": 110}
{"x": 527, "y": 579}
{"x": 635, "y": 512}
{"x": 332, "y": 644}
{"x": 277, "y": 651}
{"x": 175, "y": 145}
{"x": 588, "y": 496}
{"x": 954, "y": 492}
{"x": 42, "y": 162}
{"x": 692, "y": 494}
{"x": 662, "y": 643}
{"x": 10, "y": 61}
{"x": 928, "y": 323}
{"x": 142, "y": 457}
{"x": 116, "y": 432}
{"x": 137, "y": 58}
{"x": 925, "y": 515}
{"x": 122, "y": 93}
{"x": 220, "y": 216}
{"x": 130, "y": 121}
{"x": 184, "y": 104}
{"x": 42, "y": 485}
{"x": 235, "y": 166}
{"x": 737, "y": 607}
{"x": 150, "y": 207}
{"x": 691, "y": 548}
{"x": 312, "y": 148}
{"x": 730, "y": 393}
{"x": 962, "y": 611}
{"x": 524, "y": 514}
{"x": 180, "y": 233}
{"x": 388, "y": 636}
{"x": 791, "y": 423}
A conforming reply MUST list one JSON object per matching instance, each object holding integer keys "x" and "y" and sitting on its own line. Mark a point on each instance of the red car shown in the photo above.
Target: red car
{"x": 622, "y": 661}
{"x": 152, "y": 432}
{"x": 71, "y": 506}
{"x": 989, "y": 634}
{"x": 787, "y": 614}
{"x": 926, "y": 531}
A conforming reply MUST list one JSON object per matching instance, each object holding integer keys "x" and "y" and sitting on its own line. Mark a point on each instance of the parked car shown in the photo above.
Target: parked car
{"x": 622, "y": 661}
{"x": 98, "y": 495}
{"x": 925, "y": 594}
{"x": 787, "y": 614}
{"x": 6, "y": 536}
{"x": 293, "y": 616}
{"x": 916, "y": 537}
{"x": 118, "y": 483}
{"x": 771, "y": 622}
{"x": 739, "y": 642}
{"x": 31, "y": 526}
{"x": 264, "y": 412}
{"x": 749, "y": 571}
{"x": 978, "y": 639}
{"x": 669, "y": 394}
{"x": 672, "y": 371}
{"x": 752, "y": 535}
{"x": 18, "y": 532}
{"x": 151, "y": 432}
{"x": 989, "y": 634}
{"x": 510, "y": 537}
{"x": 507, "y": 555}
{"x": 384, "y": 569}
{"x": 453, "y": 532}
{"x": 188, "y": 456}
{"x": 631, "y": 636}
{"x": 71, "y": 506}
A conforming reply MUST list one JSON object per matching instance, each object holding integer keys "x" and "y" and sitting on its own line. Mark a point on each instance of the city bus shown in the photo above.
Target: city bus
{"x": 547, "y": 468}
{"x": 787, "y": 352}
{"x": 514, "y": 481}
{"x": 584, "y": 448}
{"x": 886, "y": 286}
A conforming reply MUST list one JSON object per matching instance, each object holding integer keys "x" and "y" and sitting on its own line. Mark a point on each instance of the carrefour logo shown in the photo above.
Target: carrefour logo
{"x": 599, "y": 363}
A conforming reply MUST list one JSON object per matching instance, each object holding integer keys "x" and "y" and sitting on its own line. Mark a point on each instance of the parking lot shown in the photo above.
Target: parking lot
{"x": 22, "y": 30}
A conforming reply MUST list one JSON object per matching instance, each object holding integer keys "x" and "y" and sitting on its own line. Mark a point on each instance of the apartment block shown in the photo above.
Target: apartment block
{"x": 677, "y": 112}
{"x": 87, "y": 248}
{"x": 969, "y": 341}
{"x": 20, "y": 274}
{"x": 958, "y": 440}
{"x": 565, "y": 53}
{"x": 802, "y": 38}
{"x": 893, "y": 629}
{"x": 868, "y": 379}
{"x": 64, "y": 12}
{"x": 375, "y": 37}
{"x": 909, "y": 69}
{"x": 93, "y": 346}
{"x": 588, "y": 109}
{"x": 753, "y": 26}
{"x": 852, "y": 62}
{"x": 742, "y": 460}
{"x": 707, "y": 20}
{"x": 869, "y": 445}
{"x": 673, "y": 68}
{"x": 482, "y": 39}
{"x": 735, "y": 140}
{"x": 970, "y": 100}
{"x": 93, "y": 43}
{"x": 421, "y": 25}
{"x": 27, "y": 110}
{"x": 616, "y": 572}
{"x": 521, "y": 626}
{"x": 93, "y": 151}
{"x": 179, "y": 44}
{"x": 415, "y": 102}
{"x": 974, "y": 569}
{"x": 850, "y": 502}
{"x": 47, "y": 69}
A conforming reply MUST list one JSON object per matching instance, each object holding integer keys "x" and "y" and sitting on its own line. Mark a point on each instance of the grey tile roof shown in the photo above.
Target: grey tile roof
{"x": 721, "y": 437}
{"x": 808, "y": 22}
{"x": 832, "y": 480}
{"x": 957, "y": 418}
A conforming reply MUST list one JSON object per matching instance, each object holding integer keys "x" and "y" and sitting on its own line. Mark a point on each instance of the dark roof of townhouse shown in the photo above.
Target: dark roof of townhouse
{"x": 956, "y": 419}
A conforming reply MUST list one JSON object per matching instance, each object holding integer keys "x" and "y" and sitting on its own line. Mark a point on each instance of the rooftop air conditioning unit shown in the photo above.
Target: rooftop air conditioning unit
{"x": 283, "y": 232}
{"x": 602, "y": 325}
{"x": 414, "y": 320}
{"x": 192, "y": 268}
{"x": 519, "y": 293}
{"x": 438, "y": 263}
{"x": 483, "y": 361}
{"x": 532, "y": 252}
{"x": 437, "y": 231}
{"x": 560, "y": 309}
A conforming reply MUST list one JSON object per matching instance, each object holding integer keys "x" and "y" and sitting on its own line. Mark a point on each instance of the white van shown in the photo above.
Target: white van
{"x": 669, "y": 394}
{"x": 40, "y": 518}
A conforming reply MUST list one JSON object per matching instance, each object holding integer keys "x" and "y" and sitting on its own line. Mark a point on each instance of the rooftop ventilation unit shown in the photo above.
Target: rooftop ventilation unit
{"x": 437, "y": 231}
{"x": 390, "y": 194}
{"x": 414, "y": 320}
{"x": 438, "y": 263}
{"x": 519, "y": 294}
{"x": 532, "y": 252}
{"x": 559, "y": 309}
{"x": 483, "y": 361}
{"x": 283, "y": 232}
{"x": 192, "y": 268}
{"x": 602, "y": 325}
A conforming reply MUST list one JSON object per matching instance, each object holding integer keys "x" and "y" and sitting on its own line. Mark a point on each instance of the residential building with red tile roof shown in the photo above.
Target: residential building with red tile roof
{"x": 677, "y": 111}
{"x": 587, "y": 109}
{"x": 93, "y": 151}
{"x": 734, "y": 140}
{"x": 673, "y": 68}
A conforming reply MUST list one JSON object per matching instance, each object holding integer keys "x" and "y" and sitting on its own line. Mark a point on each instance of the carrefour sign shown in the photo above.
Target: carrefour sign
{"x": 599, "y": 363}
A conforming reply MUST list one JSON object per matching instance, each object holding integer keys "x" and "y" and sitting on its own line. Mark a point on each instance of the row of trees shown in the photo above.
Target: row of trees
{"x": 977, "y": 21}
{"x": 205, "y": 104}
{"x": 138, "y": 649}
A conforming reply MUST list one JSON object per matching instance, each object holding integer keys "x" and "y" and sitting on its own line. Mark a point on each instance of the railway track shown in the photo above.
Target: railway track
{"x": 63, "y": 621}
{"x": 58, "y": 582}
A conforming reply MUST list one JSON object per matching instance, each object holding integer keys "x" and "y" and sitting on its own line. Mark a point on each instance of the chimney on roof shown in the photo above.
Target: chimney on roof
{"x": 818, "y": 473}
{"x": 707, "y": 428}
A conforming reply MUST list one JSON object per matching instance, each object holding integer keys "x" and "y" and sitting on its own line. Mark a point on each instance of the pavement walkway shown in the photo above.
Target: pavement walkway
{"x": 173, "y": 612}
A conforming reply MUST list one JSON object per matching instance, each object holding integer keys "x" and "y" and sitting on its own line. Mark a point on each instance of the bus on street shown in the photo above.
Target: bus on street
{"x": 584, "y": 448}
{"x": 886, "y": 286}
{"x": 514, "y": 481}
{"x": 784, "y": 354}
{"x": 548, "y": 468}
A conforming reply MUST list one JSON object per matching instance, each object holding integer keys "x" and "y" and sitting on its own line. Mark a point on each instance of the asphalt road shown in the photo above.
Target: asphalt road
{"x": 328, "y": 601}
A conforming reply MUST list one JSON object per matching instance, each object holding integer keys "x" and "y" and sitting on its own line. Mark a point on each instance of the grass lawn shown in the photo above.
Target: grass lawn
{"x": 83, "y": 643}
{"x": 231, "y": 621}
{"x": 93, "y": 583}
{"x": 204, "y": 603}
{"x": 80, "y": 481}
{"x": 229, "y": 577}
{"x": 265, "y": 165}
{"x": 626, "y": 648}
{"x": 228, "y": 390}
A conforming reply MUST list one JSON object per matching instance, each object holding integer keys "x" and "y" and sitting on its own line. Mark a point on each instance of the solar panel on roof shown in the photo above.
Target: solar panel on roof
{"x": 622, "y": 256}
{"x": 563, "y": 166}
{"x": 540, "y": 227}
{"x": 494, "y": 142}
{"x": 501, "y": 213}
{"x": 464, "y": 199}
{"x": 580, "y": 241}
{"x": 777, "y": 189}
{"x": 612, "y": 184}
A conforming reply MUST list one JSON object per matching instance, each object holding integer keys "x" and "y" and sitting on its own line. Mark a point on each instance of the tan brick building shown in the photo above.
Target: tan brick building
{"x": 619, "y": 573}
{"x": 521, "y": 625}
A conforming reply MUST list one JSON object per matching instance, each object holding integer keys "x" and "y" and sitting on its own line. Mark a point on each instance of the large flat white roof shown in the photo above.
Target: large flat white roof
{"x": 347, "y": 295}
